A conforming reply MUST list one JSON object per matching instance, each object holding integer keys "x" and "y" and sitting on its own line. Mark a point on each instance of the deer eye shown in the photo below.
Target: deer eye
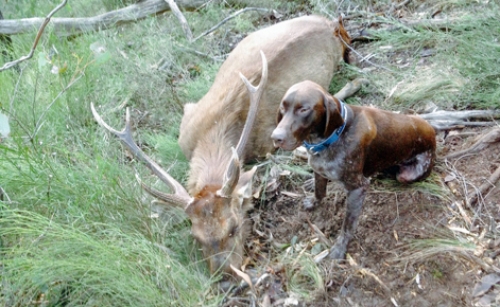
{"x": 233, "y": 231}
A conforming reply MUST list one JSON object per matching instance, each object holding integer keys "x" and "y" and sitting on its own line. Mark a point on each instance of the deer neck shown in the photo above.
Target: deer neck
{"x": 212, "y": 154}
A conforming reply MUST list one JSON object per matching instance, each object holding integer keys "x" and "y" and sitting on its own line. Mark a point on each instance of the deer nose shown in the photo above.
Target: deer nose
{"x": 217, "y": 263}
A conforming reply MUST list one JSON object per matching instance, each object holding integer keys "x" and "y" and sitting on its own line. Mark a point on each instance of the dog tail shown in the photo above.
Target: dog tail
{"x": 342, "y": 34}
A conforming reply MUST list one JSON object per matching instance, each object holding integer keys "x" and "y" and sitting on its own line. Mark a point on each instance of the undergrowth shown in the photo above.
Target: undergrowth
{"x": 76, "y": 228}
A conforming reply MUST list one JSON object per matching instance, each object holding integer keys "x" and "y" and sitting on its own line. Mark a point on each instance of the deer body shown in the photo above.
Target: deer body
{"x": 304, "y": 48}
{"x": 227, "y": 128}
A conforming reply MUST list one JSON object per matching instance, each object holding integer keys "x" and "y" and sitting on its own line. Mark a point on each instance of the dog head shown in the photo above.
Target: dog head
{"x": 306, "y": 109}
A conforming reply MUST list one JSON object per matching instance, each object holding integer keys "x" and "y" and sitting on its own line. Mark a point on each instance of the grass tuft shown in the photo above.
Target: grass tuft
{"x": 53, "y": 263}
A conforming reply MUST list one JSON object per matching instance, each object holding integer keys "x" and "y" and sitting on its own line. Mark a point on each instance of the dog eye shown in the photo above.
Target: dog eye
{"x": 303, "y": 110}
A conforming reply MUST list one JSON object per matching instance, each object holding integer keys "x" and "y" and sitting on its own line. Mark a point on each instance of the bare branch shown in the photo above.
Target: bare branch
{"x": 444, "y": 120}
{"x": 75, "y": 26}
{"x": 37, "y": 38}
{"x": 365, "y": 59}
{"x": 350, "y": 88}
{"x": 485, "y": 187}
{"x": 212, "y": 29}
{"x": 182, "y": 19}
{"x": 491, "y": 137}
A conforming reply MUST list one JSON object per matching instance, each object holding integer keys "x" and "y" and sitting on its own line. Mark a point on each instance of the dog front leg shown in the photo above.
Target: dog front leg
{"x": 320, "y": 184}
{"x": 354, "y": 202}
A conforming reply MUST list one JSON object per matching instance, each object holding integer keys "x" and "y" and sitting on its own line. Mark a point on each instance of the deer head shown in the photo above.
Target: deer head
{"x": 217, "y": 212}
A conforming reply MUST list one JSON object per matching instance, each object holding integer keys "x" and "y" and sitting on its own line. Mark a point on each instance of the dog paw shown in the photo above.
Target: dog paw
{"x": 309, "y": 202}
{"x": 337, "y": 251}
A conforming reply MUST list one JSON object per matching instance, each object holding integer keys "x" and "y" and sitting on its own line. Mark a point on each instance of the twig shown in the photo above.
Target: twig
{"x": 37, "y": 125}
{"x": 65, "y": 26}
{"x": 181, "y": 18}
{"x": 2, "y": 194}
{"x": 363, "y": 58}
{"x": 485, "y": 187}
{"x": 490, "y": 137}
{"x": 37, "y": 38}
{"x": 212, "y": 29}
{"x": 395, "y": 7}
{"x": 350, "y": 88}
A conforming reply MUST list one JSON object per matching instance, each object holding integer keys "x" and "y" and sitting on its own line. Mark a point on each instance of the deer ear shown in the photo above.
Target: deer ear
{"x": 245, "y": 184}
{"x": 333, "y": 118}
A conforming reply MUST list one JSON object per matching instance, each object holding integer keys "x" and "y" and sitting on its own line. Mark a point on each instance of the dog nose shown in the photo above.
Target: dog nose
{"x": 278, "y": 136}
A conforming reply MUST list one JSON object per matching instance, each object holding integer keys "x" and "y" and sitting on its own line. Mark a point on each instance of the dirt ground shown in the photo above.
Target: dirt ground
{"x": 416, "y": 245}
{"x": 387, "y": 266}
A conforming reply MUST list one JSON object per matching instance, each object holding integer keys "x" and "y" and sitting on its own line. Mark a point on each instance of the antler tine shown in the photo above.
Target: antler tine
{"x": 255, "y": 96}
{"x": 181, "y": 196}
{"x": 231, "y": 176}
{"x": 173, "y": 199}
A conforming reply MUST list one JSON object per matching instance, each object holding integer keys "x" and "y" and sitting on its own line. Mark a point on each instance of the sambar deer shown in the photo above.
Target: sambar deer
{"x": 307, "y": 47}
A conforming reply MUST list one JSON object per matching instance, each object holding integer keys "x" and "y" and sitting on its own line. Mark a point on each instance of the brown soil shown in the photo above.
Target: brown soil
{"x": 416, "y": 245}
{"x": 413, "y": 245}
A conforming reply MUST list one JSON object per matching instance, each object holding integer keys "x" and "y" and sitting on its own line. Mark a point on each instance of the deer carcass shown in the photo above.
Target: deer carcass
{"x": 217, "y": 196}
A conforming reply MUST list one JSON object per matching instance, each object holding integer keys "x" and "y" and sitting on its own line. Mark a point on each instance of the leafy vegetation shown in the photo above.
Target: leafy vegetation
{"x": 76, "y": 228}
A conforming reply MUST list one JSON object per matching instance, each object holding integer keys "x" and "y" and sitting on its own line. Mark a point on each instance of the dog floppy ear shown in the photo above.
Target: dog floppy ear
{"x": 279, "y": 116}
{"x": 333, "y": 117}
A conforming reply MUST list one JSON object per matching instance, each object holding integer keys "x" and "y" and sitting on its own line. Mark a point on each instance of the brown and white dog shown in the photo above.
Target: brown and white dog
{"x": 349, "y": 144}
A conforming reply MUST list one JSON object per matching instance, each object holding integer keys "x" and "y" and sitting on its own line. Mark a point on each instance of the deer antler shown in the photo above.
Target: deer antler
{"x": 180, "y": 197}
{"x": 232, "y": 174}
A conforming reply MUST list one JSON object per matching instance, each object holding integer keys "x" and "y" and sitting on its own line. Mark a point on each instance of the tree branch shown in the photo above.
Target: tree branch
{"x": 484, "y": 141}
{"x": 229, "y": 18}
{"x": 75, "y": 26}
{"x": 182, "y": 19}
{"x": 485, "y": 187}
{"x": 37, "y": 38}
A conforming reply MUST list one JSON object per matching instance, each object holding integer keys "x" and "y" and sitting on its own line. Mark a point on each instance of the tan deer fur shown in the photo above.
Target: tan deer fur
{"x": 218, "y": 197}
{"x": 304, "y": 48}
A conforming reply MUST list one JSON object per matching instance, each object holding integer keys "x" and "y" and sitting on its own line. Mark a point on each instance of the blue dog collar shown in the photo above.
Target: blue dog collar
{"x": 316, "y": 148}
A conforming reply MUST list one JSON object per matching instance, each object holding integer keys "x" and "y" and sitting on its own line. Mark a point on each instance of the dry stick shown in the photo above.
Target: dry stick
{"x": 38, "y": 122}
{"x": 491, "y": 137}
{"x": 229, "y": 18}
{"x": 37, "y": 38}
{"x": 364, "y": 58}
{"x": 397, "y": 6}
{"x": 74, "y": 26}
{"x": 485, "y": 187}
{"x": 350, "y": 88}
{"x": 181, "y": 18}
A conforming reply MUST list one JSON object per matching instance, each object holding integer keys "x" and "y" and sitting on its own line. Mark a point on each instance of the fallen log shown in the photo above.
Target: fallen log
{"x": 445, "y": 120}
{"x": 74, "y": 26}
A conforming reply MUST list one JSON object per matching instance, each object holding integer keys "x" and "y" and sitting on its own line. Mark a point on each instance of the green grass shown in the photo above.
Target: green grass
{"x": 462, "y": 73}
{"x": 104, "y": 267}
{"x": 75, "y": 225}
